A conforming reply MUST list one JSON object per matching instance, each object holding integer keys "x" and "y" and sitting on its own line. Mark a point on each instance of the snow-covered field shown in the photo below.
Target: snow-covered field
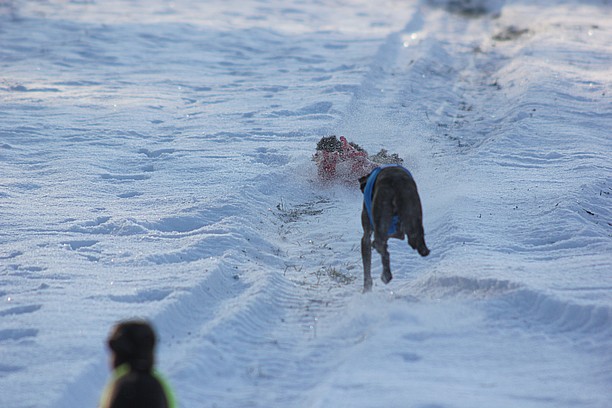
{"x": 155, "y": 161}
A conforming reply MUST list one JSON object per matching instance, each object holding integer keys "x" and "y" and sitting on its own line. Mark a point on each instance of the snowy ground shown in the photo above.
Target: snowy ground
{"x": 155, "y": 162}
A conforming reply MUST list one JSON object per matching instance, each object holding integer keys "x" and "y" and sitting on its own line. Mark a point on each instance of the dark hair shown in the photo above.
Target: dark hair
{"x": 329, "y": 144}
{"x": 133, "y": 342}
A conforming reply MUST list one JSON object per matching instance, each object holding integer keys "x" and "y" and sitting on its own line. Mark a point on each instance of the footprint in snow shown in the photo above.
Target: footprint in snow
{"x": 144, "y": 296}
{"x": 130, "y": 194}
{"x": 19, "y": 310}
{"x": 16, "y": 334}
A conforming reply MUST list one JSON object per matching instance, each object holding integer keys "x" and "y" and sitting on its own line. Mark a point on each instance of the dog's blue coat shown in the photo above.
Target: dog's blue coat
{"x": 368, "y": 193}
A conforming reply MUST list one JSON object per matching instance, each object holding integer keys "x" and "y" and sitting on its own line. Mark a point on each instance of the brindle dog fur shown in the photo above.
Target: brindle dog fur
{"x": 394, "y": 193}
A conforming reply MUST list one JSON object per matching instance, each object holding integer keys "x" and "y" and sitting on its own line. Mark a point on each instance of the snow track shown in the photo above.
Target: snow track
{"x": 162, "y": 169}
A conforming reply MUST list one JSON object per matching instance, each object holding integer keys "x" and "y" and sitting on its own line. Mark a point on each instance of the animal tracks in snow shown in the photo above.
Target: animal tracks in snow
{"x": 269, "y": 157}
{"x": 17, "y": 333}
{"x": 125, "y": 177}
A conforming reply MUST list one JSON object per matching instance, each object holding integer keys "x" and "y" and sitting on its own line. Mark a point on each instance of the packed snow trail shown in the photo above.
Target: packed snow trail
{"x": 167, "y": 174}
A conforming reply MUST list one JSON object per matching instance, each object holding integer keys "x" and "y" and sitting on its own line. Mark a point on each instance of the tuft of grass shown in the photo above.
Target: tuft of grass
{"x": 339, "y": 276}
{"x": 292, "y": 214}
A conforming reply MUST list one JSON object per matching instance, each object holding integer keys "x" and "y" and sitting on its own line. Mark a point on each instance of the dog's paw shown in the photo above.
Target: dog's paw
{"x": 423, "y": 250}
{"x": 386, "y": 277}
{"x": 367, "y": 286}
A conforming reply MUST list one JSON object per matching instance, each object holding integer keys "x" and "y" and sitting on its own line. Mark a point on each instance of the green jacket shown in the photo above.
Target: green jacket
{"x": 111, "y": 397}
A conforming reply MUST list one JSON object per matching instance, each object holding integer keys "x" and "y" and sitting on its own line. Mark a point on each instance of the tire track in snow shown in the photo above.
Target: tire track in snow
{"x": 259, "y": 346}
{"x": 279, "y": 315}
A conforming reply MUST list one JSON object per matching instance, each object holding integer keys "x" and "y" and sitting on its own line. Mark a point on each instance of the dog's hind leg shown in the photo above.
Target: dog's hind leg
{"x": 416, "y": 238}
{"x": 411, "y": 216}
{"x": 366, "y": 256}
{"x": 386, "y": 264}
{"x": 383, "y": 217}
{"x": 366, "y": 250}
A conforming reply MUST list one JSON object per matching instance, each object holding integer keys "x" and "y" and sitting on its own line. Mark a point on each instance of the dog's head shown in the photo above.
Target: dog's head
{"x": 329, "y": 144}
{"x": 363, "y": 181}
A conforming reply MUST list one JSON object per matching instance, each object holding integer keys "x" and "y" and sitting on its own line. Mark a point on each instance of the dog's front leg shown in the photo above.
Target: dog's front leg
{"x": 366, "y": 256}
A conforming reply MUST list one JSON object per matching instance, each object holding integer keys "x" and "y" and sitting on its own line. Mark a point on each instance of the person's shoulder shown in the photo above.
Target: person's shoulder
{"x": 141, "y": 385}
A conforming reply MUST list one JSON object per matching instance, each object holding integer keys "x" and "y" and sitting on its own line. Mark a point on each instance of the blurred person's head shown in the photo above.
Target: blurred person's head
{"x": 132, "y": 342}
